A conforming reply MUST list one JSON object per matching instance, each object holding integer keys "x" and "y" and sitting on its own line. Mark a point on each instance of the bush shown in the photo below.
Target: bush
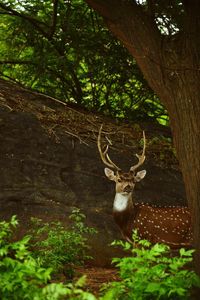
{"x": 152, "y": 273}
{"x": 22, "y": 277}
{"x": 60, "y": 248}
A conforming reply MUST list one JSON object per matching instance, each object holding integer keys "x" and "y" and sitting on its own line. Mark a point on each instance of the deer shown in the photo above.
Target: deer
{"x": 170, "y": 225}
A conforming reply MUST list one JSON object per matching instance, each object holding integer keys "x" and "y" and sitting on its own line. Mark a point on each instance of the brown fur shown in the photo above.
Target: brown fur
{"x": 169, "y": 225}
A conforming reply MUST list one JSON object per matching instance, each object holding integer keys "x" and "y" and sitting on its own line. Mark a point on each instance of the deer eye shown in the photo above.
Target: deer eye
{"x": 119, "y": 180}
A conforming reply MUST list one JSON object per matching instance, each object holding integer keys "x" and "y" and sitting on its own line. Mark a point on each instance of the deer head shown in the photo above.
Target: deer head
{"x": 125, "y": 182}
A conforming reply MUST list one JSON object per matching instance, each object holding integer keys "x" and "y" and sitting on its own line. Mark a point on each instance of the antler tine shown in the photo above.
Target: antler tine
{"x": 104, "y": 155}
{"x": 141, "y": 157}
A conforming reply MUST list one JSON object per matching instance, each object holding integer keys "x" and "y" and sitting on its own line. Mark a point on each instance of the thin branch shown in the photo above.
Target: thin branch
{"x": 2, "y": 75}
{"x": 36, "y": 23}
{"x": 16, "y": 62}
{"x": 76, "y": 136}
{"x": 54, "y": 18}
{"x": 151, "y": 8}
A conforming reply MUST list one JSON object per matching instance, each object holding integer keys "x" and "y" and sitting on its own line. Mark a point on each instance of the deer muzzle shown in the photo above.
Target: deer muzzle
{"x": 128, "y": 189}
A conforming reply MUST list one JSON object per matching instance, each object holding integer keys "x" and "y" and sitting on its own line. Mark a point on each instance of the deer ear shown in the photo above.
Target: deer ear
{"x": 140, "y": 175}
{"x": 110, "y": 174}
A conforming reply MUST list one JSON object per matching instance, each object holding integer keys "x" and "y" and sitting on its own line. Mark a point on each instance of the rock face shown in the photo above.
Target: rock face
{"x": 49, "y": 163}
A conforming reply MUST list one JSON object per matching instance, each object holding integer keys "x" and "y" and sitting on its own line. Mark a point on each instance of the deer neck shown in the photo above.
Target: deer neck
{"x": 124, "y": 213}
{"x": 122, "y": 202}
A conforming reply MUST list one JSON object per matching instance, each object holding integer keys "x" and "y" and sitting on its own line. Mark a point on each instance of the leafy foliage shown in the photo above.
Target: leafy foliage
{"x": 152, "y": 273}
{"x": 22, "y": 277}
{"x": 148, "y": 273}
{"x": 64, "y": 50}
{"x": 68, "y": 291}
{"x": 60, "y": 248}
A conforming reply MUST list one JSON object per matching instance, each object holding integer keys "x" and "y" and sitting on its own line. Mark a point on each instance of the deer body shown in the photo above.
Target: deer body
{"x": 169, "y": 225}
{"x": 156, "y": 224}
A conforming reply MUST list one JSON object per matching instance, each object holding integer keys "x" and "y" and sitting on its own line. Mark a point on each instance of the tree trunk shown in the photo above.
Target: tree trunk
{"x": 183, "y": 104}
{"x": 170, "y": 64}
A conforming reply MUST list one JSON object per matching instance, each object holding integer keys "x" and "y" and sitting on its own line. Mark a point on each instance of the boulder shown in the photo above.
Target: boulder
{"x": 49, "y": 163}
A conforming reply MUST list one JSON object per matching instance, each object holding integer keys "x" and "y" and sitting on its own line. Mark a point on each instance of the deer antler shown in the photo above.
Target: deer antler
{"x": 141, "y": 157}
{"x": 104, "y": 155}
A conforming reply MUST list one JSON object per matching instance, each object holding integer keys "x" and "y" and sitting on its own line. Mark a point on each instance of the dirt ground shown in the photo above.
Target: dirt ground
{"x": 96, "y": 277}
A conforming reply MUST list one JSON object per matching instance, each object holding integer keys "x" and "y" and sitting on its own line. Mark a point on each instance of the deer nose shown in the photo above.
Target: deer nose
{"x": 128, "y": 188}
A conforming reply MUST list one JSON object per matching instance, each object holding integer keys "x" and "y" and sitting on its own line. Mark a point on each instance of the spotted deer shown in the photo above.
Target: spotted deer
{"x": 169, "y": 225}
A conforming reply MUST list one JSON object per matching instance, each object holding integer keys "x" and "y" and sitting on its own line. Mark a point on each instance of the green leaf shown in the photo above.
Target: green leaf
{"x": 81, "y": 281}
{"x": 152, "y": 287}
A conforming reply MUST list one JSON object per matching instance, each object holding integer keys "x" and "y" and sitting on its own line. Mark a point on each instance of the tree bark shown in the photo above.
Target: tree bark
{"x": 171, "y": 65}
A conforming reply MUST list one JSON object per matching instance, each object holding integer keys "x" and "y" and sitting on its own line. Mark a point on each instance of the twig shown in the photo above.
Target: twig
{"x": 78, "y": 137}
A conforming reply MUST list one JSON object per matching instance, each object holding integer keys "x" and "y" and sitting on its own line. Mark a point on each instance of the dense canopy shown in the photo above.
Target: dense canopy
{"x": 63, "y": 49}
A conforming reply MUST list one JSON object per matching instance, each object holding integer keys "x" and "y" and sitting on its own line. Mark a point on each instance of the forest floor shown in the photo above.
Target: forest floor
{"x": 96, "y": 277}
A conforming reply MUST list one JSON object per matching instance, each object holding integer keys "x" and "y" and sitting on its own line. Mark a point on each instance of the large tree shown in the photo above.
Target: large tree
{"x": 163, "y": 36}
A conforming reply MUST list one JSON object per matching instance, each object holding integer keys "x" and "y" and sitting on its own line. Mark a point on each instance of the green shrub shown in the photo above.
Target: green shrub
{"x": 68, "y": 291}
{"x": 22, "y": 277}
{"x": 151, "y": 272}
{"x": 60, "y": 248}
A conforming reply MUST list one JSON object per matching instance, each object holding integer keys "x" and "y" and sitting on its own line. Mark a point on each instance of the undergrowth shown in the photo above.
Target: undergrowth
{"x": 152, "y": 272}
{"x": 54, "y": 246}
{"x": 22, "y": 277}
{"x": 147, "y": 272}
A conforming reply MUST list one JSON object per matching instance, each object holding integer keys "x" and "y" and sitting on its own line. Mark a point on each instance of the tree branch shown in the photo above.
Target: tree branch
{"x": 36, "y": 23}
{"x": 16, "y": 62}
{"x": 54, "y": 18}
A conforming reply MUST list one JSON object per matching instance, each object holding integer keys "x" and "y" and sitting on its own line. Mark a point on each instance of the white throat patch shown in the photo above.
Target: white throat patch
{"x": 120, "y": 202}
